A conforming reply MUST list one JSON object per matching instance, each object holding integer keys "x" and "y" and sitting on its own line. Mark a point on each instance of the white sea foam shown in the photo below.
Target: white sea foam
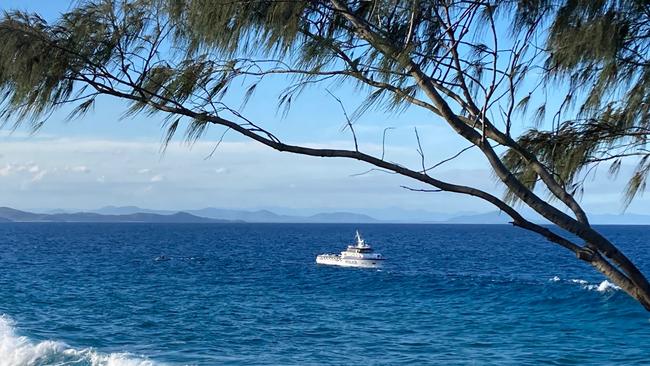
{"x": 18, "y": 350}
{"x": 604, "y": 286}
{"x": 579, "y": 281}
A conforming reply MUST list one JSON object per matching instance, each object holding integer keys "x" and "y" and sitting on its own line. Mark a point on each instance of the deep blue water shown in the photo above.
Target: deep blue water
{"x": 92, "y": 294}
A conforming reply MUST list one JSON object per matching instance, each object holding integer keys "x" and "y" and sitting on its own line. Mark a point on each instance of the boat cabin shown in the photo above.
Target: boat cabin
{"x": 356, "y": 249}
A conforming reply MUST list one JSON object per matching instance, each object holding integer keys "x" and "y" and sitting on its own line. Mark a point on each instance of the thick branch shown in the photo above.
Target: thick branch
{"x": 580, "y": 228}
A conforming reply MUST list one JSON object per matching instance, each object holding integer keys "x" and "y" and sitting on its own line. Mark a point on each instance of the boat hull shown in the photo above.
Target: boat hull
{"x": 335, "y": 260}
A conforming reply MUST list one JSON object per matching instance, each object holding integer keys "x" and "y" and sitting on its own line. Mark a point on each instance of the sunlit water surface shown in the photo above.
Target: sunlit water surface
{"x": 93, "y": 294}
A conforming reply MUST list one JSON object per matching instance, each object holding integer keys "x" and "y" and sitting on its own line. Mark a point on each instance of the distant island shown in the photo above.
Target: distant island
{"x": 12, "y": 215}
{"x": 136, "y": 214}
{"x": 208, "y": 215}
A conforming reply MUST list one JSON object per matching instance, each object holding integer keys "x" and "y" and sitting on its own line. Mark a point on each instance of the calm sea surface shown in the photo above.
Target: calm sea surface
{"x": 92, "y": 294}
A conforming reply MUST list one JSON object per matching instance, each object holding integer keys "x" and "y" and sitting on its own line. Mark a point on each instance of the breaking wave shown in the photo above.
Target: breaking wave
{"x": 18, "y": 350}
{"x": 604, "y": 286}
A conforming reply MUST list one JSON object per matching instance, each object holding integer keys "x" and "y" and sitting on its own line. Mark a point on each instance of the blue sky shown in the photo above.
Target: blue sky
{"x": 104, "y": 159}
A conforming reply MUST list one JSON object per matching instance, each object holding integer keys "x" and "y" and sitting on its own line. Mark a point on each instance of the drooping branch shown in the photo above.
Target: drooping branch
{"x": 579, "y": 227}
{"x": 414, "y": 53}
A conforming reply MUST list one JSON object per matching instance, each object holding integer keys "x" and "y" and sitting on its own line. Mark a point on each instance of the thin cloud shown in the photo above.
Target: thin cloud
{"x": 39, "y": 176}
{"x": 28, "y": 167}
{"x": 78, "y": 169}
{"x": 157, "y": 178}
{"x": 6, "y": 170}
{"x": 239, "y": 175}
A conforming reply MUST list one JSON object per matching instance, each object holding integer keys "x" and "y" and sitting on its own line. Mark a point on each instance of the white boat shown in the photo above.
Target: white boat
{"x": 356, "y": 255}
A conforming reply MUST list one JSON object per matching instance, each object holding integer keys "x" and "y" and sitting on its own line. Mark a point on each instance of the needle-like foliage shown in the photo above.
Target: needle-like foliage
{"x": 474, "y": 65}
{"x": 602, "y": 49}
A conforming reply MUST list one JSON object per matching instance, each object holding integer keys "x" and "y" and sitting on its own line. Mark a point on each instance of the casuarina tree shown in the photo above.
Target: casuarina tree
{"x": 544, "y": 90}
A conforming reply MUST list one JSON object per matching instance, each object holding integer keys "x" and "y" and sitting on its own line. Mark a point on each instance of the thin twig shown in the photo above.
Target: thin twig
{"x": 347, "y": 119}
{"x": 383, "y": 142}
{"x": 422, "y": 190}
{"x": 450, "y": 158}
{"x": 218, "y": 144}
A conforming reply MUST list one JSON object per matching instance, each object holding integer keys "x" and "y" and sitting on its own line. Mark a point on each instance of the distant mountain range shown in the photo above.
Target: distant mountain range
{"x": 206, "y": 215}
{"x": 258, "y": 216}
{"x": 494, "y": 217}
{"x": 219, "y": 215}
{"x": 11, "y": 215}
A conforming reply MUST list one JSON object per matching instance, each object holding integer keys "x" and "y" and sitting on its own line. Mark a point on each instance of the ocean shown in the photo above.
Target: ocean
{"x": 251, "y": 294}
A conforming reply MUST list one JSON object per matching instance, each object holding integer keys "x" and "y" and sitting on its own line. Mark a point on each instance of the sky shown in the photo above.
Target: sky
{"x": 106, "y": 159}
